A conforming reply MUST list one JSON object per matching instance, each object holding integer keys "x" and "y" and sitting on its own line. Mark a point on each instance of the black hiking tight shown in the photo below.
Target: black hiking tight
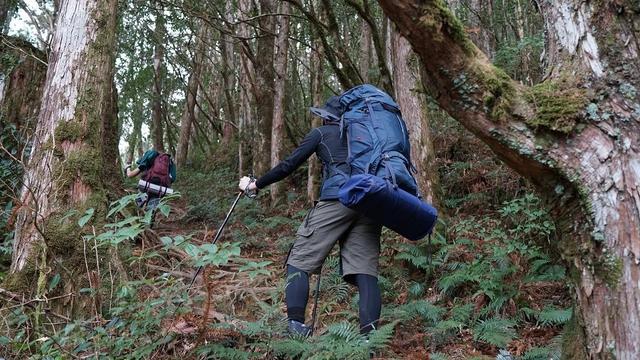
{"x": 297, "y": 296}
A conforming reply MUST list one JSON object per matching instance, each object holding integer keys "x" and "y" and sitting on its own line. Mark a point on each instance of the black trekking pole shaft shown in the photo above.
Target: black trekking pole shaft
{"x": 215, "y": 239}
{"x": 315, "y": 304}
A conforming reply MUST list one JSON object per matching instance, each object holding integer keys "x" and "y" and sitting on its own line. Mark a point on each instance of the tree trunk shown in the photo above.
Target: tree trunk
{"x": 247, "y": 73}
{"x": 280, "y": 64}
{"x": 157, "y": 113}
{"x": 70, "y": 152}
{"x": 365, "y": 51}
{"x": 263, "y": 87}
{"x": 228, "y": 68}
{"x": 412, "y": 101}
{"x": 317, "y": 74}
{"x": 575, "y": 136}
{"x": 189, "y": 115}
{"x": 21, "y": 83}
{"x": 22, "y": 77}
{"x": 6, "y": 8}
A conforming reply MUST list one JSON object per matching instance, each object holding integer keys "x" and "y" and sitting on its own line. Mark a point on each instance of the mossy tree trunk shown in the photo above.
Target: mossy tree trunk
{"x": 71, "y": 156}
{"x": 575, "y": 136}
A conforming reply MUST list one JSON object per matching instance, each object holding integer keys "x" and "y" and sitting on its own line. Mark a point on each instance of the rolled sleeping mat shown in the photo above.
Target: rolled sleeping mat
{"x": 153, "y": 189}
{"x": 391, "y": 206}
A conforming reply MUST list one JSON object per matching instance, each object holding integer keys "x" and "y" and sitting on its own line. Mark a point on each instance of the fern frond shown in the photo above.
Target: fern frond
{"x": 219, "y": 352}
{"x": 416, "y": 289}
{"x": 553, "y": 316}
{"x": 379, "y": 338}
{"x": 541, "y": 353}
{"x": 455, "y": 279}
{"x": 495, "y": 331}
{"x": 291, "y": 348}
{"x": 462, "y": 313}
{"x": 346, "y": 331}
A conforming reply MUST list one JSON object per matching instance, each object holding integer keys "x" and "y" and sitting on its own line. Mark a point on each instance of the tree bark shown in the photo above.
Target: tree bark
{"x": 157, "y": 112}
{"x": 189, "y": 115}
{"x": 412, "y": 101}
{"x": 228, "y": 79}
{"x": 574, "y": 136}
{"x": 317, "y": 74}
{"x": 70, "y": 154}
{"x": 247, "y": 73}
{"x": 280, "y": 65}
{"x": 365, "y": 51}
{"x": 263, "y": 87}
{"x": 22, "y": 76}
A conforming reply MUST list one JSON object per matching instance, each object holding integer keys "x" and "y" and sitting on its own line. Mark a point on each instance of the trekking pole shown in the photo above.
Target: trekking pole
{"x": 218, "y": 233}
{"x": 233, "y": 206}
{"x": 315, "y": 304}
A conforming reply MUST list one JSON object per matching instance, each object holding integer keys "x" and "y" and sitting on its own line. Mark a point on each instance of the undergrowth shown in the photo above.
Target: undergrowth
{"x": 483, "y": 282}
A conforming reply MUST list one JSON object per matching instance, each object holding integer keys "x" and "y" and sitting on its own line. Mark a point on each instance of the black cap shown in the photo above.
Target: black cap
{"x": 331, "y": 110}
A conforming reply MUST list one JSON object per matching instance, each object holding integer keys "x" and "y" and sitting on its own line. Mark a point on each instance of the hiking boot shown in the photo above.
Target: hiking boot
{"x": 296, "y": 328}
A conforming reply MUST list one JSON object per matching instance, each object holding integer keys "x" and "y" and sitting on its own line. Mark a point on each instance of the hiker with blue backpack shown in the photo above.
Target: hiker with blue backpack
{"x": 364, "y": 148}
{"x": 158, "y": 173}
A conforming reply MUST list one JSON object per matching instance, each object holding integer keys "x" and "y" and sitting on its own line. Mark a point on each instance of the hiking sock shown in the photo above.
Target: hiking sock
{"x": 370, "y": 302}
{"x": 296, "y": 293}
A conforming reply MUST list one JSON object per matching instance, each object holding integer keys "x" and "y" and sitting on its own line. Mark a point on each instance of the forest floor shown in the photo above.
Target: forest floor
{"x": 497, "y": 306}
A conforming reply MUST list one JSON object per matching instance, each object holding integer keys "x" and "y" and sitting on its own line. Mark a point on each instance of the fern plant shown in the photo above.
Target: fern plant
{"x": 495, "y": 331}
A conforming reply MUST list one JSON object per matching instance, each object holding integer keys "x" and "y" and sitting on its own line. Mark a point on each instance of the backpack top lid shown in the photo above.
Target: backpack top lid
{"x": 330, "y": 111}
{"x": 352, "y": 97}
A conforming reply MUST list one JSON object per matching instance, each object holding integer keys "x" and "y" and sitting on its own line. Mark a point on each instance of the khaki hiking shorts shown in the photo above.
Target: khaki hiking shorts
{"x": 330, "y": 222}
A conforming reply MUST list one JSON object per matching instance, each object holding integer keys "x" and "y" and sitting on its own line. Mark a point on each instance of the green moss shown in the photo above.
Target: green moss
{"x": 61, "y": 233}
{"x": 23, "y": 281}
{"x": 608, "y": 268}
{"x": 68, "y": 131}
{"x": 499, "y": 92}
{"x": 438, "y": 19}
{"x": 85, "y": 165}
{"x": 558, "y": 106}
{"x": 574, "y": 338}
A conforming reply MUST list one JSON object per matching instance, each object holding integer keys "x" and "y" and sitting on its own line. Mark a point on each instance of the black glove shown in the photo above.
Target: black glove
{"x": 126, "y": 167}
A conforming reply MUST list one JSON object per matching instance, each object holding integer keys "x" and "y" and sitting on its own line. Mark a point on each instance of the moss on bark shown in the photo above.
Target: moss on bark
{"x": 558, "y": 106}
{"x": 437, "y": 18}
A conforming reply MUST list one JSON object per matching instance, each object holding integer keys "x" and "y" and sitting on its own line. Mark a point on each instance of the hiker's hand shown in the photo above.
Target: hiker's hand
{"x": 247, "y": 184}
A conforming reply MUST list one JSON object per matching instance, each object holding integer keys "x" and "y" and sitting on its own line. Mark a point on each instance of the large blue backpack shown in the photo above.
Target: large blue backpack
{"x": 377, "y": 136}
{"x": 381, "y": 185}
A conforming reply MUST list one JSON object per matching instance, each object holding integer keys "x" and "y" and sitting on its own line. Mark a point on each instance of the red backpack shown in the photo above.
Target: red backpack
{"x": 159, "y": 172}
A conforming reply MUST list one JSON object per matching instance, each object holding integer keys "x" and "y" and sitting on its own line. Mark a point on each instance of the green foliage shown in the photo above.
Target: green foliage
{"x": 549, "y": 315}
{"x": 542, "y": 353}
{"x": 486, "y": 260}
{"x": 495, "y": 331}
{"x": 340, "y": 341}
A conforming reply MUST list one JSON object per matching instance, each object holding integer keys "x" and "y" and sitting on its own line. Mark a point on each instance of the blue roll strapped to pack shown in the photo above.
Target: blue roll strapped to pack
{"x": 391, "y": 206}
